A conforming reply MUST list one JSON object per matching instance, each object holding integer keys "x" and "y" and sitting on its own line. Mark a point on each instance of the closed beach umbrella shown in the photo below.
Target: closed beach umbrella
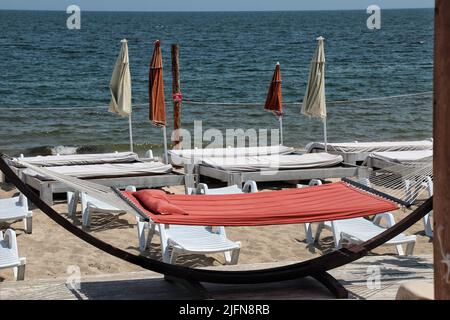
{"x": 274, "y": 100}
{"x": 314, "y": 104}
{"x": 120, "y": 88}
{"x": 156, "y": 93}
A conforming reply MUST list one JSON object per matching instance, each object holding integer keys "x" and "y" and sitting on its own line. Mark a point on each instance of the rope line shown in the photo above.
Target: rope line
{"x": 196, "y": 102}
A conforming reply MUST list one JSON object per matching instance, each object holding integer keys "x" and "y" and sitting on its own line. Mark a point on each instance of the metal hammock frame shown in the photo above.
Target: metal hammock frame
{"x": 191, "y": 278}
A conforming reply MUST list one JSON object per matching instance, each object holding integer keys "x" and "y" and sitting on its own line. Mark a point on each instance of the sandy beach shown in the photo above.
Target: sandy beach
{"x": 50, "y": 250}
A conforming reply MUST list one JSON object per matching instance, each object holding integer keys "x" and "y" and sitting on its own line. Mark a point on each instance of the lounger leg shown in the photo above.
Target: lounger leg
{"x": 320, "y": 227}
{"x": 46, "y": 194}
{"x": 308, "y": 232}
{"x": 399, "y": 250}
{"x": 72, "y": 202}
{"x": 28, "y": 221}
{"x": 336, "y": 235}
{"x": 86, "y": 218}
{"x": 164, "y": 243}
{"x": 141, "y": 225}
{"x": 174, "y": 256}
{"x": 410, "y": 248}
{"x": 19, "y": 271}
{"x": 427, "y": 225}
{"x": 234, "y": 258}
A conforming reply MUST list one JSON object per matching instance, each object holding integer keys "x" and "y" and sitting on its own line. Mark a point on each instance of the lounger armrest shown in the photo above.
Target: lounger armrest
{"x": 390, "y": 220}
{"x": 250, "y": 186}
{"x": 130, "y": 188}
{"x": 23, "y": 201}
{"x": 202, "y": 188}
{"x": 11, "y": 238}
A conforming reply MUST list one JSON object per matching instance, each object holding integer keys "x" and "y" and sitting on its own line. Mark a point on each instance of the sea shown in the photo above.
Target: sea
{"x": 54, "y": 80}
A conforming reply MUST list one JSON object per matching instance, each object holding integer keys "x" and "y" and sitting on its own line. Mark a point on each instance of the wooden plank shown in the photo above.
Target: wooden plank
{"x": 176, "y": 96}
{"x": 441, "y": 160}
{"x": 393, "y": 271}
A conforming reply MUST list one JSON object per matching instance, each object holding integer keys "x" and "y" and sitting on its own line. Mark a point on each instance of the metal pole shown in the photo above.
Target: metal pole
{"x": 441, "y": 150}
{"x": 130, "y": 126}
{"x": 166, "y": 156}
{"x": 325, "y": 134}
{"x": 280, "y": 118}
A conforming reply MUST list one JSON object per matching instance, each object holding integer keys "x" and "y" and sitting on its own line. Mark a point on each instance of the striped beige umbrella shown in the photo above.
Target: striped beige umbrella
{"x": 314, "y": 104}
{"x": 120, "y": 88}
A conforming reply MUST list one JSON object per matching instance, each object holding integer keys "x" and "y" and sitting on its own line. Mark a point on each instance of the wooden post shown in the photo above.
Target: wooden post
{"x": 441, "y": 162}
{"x": 177, "y": 97}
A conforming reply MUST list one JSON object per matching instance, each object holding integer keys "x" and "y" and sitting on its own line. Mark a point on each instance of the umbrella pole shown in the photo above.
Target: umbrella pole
{"x": 325, "y": 133}
{"x": 280, "y": 119}
{"x": 166, "y": 158}
{"x": 130, "y": 127}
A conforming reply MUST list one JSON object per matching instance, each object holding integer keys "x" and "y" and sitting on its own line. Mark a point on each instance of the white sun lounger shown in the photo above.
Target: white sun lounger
{"x": 288, "y": 167}
{"x": 16, "y": 208}
{"x": 358, "y": 151}
{"x": 149, "y": 174}
{"x": 9, "y": 254}
{"x": 428, "y": 185}
{"x": 193, "y": 156}
{"x": 107, "y": 169}
{"x": 359, "y": 230}
{"x": 383, "y": 159}
{"x": 79, "y": 159}
{"x": 281, "y": 162}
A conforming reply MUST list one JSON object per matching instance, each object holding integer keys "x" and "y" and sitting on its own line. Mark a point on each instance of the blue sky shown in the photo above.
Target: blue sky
{"x": 210, "y": 5}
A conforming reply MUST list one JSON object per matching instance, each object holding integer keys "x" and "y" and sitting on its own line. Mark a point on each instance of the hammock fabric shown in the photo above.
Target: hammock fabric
{"x": 327, "y": 202}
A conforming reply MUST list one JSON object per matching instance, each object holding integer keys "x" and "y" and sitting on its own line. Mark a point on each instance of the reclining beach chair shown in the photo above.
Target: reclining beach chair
{"x": 89, "y": 206}
{"x": 428, "y": 185}
{"x": 16, "y": 208}
{"x": 358, "y": 230}
{"x": 9, "y": 254}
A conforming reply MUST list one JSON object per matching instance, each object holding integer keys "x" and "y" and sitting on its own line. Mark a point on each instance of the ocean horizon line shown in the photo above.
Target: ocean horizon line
{"x": 214, "y": 11}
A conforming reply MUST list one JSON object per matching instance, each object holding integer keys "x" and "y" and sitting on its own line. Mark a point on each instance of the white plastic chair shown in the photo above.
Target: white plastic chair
{"x": 358, "y": 230}
{"x": 16, "y": 208}
{"x": 196, "y": 239}
{"x": 9, "y": 254}
{"x": 89, "y": 206}
{"x": 428, "y": 184}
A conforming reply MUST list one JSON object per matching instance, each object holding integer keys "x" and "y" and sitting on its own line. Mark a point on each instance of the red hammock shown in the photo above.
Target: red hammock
{"x": 313, "y": 204}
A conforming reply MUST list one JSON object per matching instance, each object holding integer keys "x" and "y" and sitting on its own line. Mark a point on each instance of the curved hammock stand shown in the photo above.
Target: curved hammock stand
{"x": 191, "y": 278}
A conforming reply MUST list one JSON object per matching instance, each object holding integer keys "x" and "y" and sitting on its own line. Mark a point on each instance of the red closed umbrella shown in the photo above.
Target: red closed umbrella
{"x": 274, "y": 100}
{"x": 157, "y": 102}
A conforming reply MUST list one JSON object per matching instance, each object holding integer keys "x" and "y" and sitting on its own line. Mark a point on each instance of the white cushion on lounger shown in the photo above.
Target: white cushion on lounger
{"x": 401, "y": 156}
{"x": 372, "y": 146}
{"x": 80, "y": 159}
{"x": 289, "y": 161}
{"x": 194, "y": 155}
{"x": 108, "y": 169}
